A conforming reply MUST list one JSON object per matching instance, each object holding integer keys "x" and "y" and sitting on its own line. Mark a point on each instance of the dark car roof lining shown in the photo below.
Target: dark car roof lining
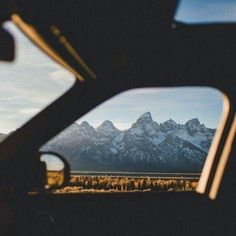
{"x": 99, "y": 30}
{"x": 124, "y": 42}
{"x": 184, "y": 55}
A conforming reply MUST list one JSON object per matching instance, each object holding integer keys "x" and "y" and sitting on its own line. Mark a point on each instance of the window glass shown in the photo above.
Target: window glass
{"x": 153, "y": 139}
{"x": 206, "y": 11}
{"x": 28, "y": 84}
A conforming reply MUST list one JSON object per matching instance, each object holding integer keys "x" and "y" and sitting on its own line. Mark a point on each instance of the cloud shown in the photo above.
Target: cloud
{"x": 61, "y": 76}
{"x": 29, "y": 84}
{"x": 29, "y": 111}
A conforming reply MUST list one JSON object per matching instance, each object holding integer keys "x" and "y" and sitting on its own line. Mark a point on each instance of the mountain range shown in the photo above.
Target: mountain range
{"x": 145, "y": 146}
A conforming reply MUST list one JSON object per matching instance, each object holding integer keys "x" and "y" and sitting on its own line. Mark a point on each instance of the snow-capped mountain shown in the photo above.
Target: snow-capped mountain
{"x": 146, "y": 146}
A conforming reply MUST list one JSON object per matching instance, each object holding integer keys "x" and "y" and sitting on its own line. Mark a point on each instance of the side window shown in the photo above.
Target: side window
{"x": 28, "y": 84}
{"x": 153, "y": 139}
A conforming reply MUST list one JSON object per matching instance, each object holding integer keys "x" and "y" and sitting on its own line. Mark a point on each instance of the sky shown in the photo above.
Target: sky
{"x": 33, "y": 81}
{"x": 180, "y": 104}
{"x": 202, "y": 11}
{"x": 28, "y": 84}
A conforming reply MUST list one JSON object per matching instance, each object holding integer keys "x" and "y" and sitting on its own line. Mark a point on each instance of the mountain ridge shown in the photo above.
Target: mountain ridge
{"x": 145, "y": 146}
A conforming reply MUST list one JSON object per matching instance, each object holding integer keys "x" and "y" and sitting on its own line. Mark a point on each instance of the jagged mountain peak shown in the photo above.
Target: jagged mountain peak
{"x": 170, "y": 121}
{"x": 143, "y": 120}
{"x": 194, "y": 121}
{"x": 168, "y": 126}
{"x": 107, "y": 129}
{"x": 145, "y": 116}
{"x": 194, "y": 126}
{"x": 144, "y": 126}
{"x": 107, "y": 124}
{"x": 85, "y": 124}
{"x": 86, "y": 129}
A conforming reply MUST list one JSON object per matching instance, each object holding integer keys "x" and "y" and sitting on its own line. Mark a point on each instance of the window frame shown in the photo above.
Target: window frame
{"x": 93, "y": 89}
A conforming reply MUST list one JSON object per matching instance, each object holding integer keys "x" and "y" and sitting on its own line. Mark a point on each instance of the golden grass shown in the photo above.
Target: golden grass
{"x": 103, "y": 184}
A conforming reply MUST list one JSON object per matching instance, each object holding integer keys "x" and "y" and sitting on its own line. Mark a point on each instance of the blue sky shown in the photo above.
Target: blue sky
{"x": 179, "y": 104}
{"x": 33, "y": 81}
{"x": 202, "y": 11}
{"x": 28, "y": 84}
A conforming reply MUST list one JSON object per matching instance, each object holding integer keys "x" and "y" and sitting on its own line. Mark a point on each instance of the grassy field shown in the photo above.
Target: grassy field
{"x": 103, "y": 184}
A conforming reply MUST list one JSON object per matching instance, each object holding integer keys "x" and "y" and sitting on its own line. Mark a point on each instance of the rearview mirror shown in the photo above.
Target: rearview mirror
{"x": 57, "y": 170}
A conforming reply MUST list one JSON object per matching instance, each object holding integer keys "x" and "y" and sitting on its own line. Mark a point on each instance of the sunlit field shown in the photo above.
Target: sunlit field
{"x": 109, "y": 184}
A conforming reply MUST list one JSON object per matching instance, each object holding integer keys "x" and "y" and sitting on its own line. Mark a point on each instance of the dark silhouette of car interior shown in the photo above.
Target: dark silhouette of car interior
{"x": 117, "y": 46}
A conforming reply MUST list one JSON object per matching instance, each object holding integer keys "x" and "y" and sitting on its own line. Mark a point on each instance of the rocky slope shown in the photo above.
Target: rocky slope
{"x": 146, "y": 146}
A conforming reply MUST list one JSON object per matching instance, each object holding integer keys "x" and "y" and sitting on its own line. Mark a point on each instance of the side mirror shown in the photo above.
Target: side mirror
{"x": 57, "y": 170}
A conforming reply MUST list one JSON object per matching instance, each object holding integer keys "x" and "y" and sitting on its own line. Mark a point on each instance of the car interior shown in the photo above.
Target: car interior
{"x": 111, "y": 48}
